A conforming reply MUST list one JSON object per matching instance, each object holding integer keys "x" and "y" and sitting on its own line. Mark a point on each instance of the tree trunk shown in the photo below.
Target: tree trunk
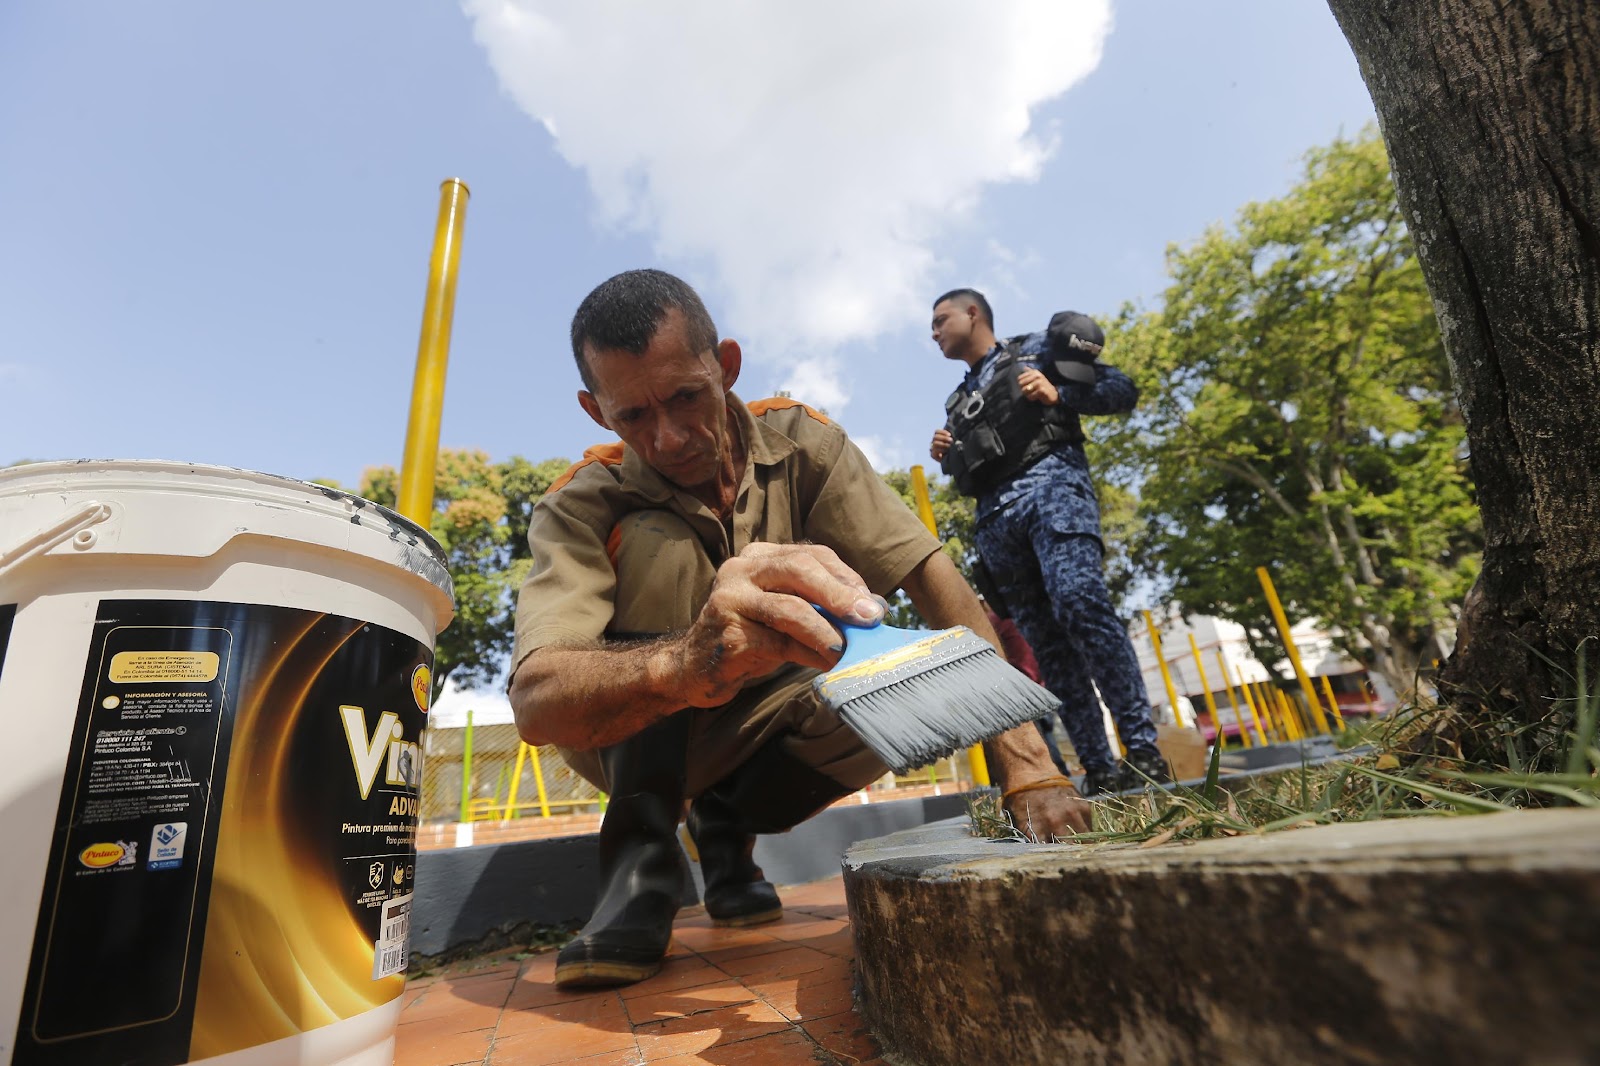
{"x": 1491, "y": 114}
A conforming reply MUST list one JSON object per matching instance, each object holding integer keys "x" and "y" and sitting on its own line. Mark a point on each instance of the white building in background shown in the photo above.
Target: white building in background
{"x": 1225, "y": 653}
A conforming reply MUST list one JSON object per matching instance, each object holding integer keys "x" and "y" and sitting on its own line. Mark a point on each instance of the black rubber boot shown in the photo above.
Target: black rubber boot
{"x": 1145, "y": 769}
{"x": 772, "y": 792}
{"x": 737, "y": 892}
{"x": 641, "y": 865}
{"x": 1102, "y": 782}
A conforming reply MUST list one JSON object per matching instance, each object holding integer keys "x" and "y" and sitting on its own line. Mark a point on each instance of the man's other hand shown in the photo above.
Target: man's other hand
{"x": 1038, "y": 388}
{"x": 759, "y": 617}
{"x": 1045, "y": 814}
{"x": 941, "y": 444}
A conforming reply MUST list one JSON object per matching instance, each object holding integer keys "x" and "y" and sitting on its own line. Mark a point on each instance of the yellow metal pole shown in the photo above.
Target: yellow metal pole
{"x": 433, "y": 353}
{"x": 1333, "y": 703}
{"x": 516, "y": 785}
{"x": 1269, "y": 706}
{"x": 466, "y": 770}
{"x": 1301, "y": 719}
{"x": 1166, "y": 675}
{"x": 1211, "y": 704}
{"x": 1294, "y": 653}
{"x": 538, "y": 781}
{"x": 978, "y": 765}
{"x": 1286, "y": 712}
{"x": 1270, "y": 711}
{"x": 1244, "y": 690}
{"x": 1291, "y": 714}
{"x": 919, "y": 493}
{"x": 1238, "y": 712}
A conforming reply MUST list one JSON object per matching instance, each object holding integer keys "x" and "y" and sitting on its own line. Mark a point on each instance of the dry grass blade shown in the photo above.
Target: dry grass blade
{"x": 1163, "y": 837}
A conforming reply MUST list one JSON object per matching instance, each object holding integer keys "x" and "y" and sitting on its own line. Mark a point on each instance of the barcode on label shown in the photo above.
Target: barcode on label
{"x": 390, "y": 955}
{"x": 397, "y": 928}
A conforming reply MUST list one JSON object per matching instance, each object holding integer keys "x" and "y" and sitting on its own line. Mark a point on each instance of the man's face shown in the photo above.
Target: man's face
{"x": 668, "y": 404}
{"x": 953, "y": 323}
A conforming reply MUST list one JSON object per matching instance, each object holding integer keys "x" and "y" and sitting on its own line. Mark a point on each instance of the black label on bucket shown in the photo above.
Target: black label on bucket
{"x": 8, "y": 611}
{"x": 235, "y": 842}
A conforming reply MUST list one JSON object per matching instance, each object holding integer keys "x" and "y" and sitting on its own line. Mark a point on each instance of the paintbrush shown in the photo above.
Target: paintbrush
{"x": 914, "y": 696}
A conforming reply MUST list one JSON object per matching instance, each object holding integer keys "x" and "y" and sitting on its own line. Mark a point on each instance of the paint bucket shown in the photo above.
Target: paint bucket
{"x": 212, "y": 687}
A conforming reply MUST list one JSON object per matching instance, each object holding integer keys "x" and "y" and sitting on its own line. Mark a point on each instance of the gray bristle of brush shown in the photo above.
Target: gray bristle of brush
{"x": 914, "y": 719}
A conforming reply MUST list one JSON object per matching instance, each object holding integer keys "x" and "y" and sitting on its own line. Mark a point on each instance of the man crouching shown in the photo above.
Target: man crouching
{"x": 666, "y": 638}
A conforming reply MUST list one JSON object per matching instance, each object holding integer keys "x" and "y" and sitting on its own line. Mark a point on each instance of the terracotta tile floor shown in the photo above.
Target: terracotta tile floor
{"x": 775, "y": 995}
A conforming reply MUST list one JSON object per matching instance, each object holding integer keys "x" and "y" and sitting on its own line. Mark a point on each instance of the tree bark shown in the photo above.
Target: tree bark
{"x": 1491, "y": 114}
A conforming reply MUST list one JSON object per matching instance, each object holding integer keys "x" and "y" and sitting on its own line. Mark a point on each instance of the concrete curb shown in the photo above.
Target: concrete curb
{"x": 1435, "y": 940}
{"x": 464, "y": 895}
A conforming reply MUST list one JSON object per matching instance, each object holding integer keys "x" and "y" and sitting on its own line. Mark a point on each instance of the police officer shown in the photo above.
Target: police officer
{"x": 1013, "y": 440}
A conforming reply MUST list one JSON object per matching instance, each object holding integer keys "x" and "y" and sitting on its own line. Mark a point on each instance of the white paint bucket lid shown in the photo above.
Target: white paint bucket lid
{"x": 193, "y": 510}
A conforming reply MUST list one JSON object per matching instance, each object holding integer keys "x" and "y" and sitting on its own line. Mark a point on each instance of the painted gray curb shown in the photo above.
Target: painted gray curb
{"x": 465, "y": 894}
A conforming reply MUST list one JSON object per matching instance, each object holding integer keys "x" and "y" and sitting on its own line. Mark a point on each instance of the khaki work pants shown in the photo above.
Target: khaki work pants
{"x": 663, "y": 579}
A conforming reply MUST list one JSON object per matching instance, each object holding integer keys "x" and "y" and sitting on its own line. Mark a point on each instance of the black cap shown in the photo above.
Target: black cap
{"x": 1075, "y": 336}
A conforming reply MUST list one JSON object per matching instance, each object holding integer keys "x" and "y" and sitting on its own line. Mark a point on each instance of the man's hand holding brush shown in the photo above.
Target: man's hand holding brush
{"x": 759, "y": 617}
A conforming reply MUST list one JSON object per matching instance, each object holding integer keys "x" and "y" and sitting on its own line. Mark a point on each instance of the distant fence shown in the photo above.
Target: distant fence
{"x": 485, "y": 773}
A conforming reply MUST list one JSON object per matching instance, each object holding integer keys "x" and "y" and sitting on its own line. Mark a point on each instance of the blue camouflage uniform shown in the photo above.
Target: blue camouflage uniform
{"x": 1039, "y": 536}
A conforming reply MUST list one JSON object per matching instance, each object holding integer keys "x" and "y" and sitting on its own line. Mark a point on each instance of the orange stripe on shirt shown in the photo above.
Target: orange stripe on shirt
{"x": 783, "y": 403}
{"x": 614, "y": 544}
{"x": 609, "y": 454}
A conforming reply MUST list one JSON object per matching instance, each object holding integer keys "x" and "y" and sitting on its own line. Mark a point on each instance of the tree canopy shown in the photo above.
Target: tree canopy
{"x": 1296, "y": 413}
{"x": 480, "y": 516}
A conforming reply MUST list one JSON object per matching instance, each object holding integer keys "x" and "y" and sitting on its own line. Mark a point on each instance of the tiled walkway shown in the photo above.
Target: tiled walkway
{"x": 775, "y": 995}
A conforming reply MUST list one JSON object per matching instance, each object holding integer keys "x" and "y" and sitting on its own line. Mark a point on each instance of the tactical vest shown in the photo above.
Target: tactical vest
{"x": 998, "y": 433}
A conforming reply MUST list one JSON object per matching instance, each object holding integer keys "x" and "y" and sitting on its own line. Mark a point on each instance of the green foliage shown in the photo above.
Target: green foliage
{"x": 1296, "y": 412}
{"x": 480, "y": 516}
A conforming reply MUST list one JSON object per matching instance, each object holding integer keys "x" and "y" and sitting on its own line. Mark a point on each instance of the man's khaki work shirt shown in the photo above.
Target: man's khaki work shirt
{"x": 803, "y": 481}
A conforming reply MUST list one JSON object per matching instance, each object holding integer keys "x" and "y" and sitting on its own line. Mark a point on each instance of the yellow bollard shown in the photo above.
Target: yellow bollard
{"x": 1288, "y": 644}
{"x": 516, "y": 785}
{"x": 978, "y": 765}
{"x": 1238, "y": 713}
{"x": 466, "y": 770}
{"x": 1166, "y": 675}
{"x": 433, "y": 354}
{"x": 1270, "y": 709}
{"x": 1249, "y": 699}
{"x": 1268, "y": 695}
{"x": 919, "y": 493}
{"x": 1270, "y": 712}
{"x": 1291, "y": 714}
{"x": 1333, "y": 703}
{"x": 1211, "y": 704}
{"x": 538, "y": 781}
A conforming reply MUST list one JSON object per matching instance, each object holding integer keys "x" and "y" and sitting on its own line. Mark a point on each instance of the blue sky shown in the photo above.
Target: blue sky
{"x": 219, "y": 215}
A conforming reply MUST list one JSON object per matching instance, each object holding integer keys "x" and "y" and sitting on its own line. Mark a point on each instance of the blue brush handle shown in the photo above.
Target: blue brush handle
{"x": 865, "y": 642}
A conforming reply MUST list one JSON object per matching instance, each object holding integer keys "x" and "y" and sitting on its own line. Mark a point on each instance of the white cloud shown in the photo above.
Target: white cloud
{"x": 815, "y": 382}
{"x": 802, "y": 160}
{"x": 887, "y": 454}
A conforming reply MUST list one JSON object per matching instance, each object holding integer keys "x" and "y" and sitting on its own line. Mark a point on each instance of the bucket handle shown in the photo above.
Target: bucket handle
{"x": 74, "y": 523}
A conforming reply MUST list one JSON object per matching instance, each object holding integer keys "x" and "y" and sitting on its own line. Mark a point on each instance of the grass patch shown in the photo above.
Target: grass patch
{"x": 1406, "y": 774}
